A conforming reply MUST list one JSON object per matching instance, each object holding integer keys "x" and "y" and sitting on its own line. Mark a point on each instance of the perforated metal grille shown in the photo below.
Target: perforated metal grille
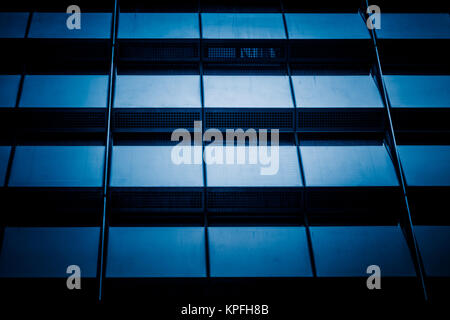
{"x": 245, "y": 53}
{"x": 250, "y": 119}
{"x": 159, "y": 52}
{"x": 254, "y": 199}
{"x": 340, "y": 120}
{"x": 172, "y": 119}
{"x": 63, "y": 119}
{"x": 157, "y": 199}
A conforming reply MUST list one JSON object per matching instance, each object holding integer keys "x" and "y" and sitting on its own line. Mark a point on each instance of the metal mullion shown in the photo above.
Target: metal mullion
{"x": 108, "y": 148}
{"x": 202, "y": 99}
{"x": 409, "y": 227}
{"x": 297, "y": 147}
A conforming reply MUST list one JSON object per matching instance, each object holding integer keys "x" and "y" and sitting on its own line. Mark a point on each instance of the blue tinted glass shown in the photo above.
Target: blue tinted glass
{"x": 47, "y": 252}
{"x": 259, "y": 252}
{"x": 9, "y": 84}
{"x": 4, "y": 159}
{"x": 158, "y": 25}
{"x": 157, "y": 91}
{"x": 282, "y": 170}
{"x": 13, "y": 24}
{"x": 336, "y": 91}
{"x": 152, "y": 166}
{"x": 53, "y": 25}
{"x": 243, "y": 26}
{"x": 348, "y": 251}
{"x": 426, "y": 165}
{"x": 57, "y": 91}
{"x": 57, "y": 166}
{"x": 247, "y": 91}
{"x": 347, "y": 166}
{"x": 326, "y": 26}
{"x": 434, "y": 246}
{"x": 156, "y": 252}
{"x": 414, "y": 26}
{"x": 418, "y": 91}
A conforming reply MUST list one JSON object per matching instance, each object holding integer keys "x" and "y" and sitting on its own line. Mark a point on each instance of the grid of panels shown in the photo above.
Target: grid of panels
{"x": 124, "y": 81}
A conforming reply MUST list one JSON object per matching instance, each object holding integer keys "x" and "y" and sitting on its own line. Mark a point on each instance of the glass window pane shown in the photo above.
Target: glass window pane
{"x": 347, "y": 166}
{"x": 247, "y": 91}
{"x": 53, "y": 25}
{"x": 259, "y": 252}
{"x": 61, "y": 91}
{"x": 158, "y": 26}
{"x": 348, "y": 251}
{"x": 156, "y": 252}
{"x": 4, "y": 159}
{"x": 414, "y": 26}
{"x": 13, "y": 24}
{"x": 243, "y": 26}
{"x": 426, "y": 165}
{"x": 157, "y": 91}
{"x": 336, "y": 91}
{"x": 57, "y": 166}
{"x": 152, "y": 166}
{"x": 9, "y": 85}
{"x": 434, "y": 246}
{"x": 282, "y": 171}
{"x": 418, "y": 91}
{"x": 47, "y": 252}
{"x": 326, "y": 26}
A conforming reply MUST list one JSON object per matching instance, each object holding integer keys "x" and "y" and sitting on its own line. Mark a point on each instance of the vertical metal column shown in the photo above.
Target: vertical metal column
{"x": 202, "y": 99}
{"x": 108, "y": 149}
{"x": 297, "y": 146}
{"x": 408, "y": 224}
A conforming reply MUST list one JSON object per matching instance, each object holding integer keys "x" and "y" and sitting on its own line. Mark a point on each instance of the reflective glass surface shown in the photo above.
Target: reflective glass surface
{"x": 247, "y": 91}
{"x": 279, "y": 170}
{"x": 152, "y": 166}
{"x": 414, "y": 26}
{"x": 13, "y": 24}
{"x": 134, "y": 91}
{"x": 9, "y": 84}
{"x": 259, "y": 252}
{"x": 158, "y": 26}
{"x": 47, "y": 252}
{"x": 57, "y": 166}
{"x": 54, "y": 25}
{"x": 243, "y": 26}
{"x": 348, "y": 251}
{"x": 326, "y": 26}
{"x": 434, "y": 246}
{"x": 61, "y": 91}
{"x": 336, "y": 91}
{"x": 347, "y": 166}
{"x": 414, "y": 91}
{"x": 141, "y": 252}
{"x": 426, "y": 165}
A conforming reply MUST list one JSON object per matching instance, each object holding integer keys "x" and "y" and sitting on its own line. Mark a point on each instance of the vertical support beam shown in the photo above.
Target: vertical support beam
{"x": 406, "y": 224}
{"x": 205, "y": 187}
{"x": 297, "y": 146}
{"x": 107, "y": 161}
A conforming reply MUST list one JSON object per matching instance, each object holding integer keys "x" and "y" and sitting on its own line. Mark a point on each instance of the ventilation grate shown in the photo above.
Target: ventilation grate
{"x": 157, "y": 199}
{"x": 63, "y": 119}
{"x": 254, "y": 199}
{"x": 248, "y": 54}
{"x": 340, "y": 120}
{"x": 159, "y": 52}
{"x": 158, "y": 120}
{"x": 250, "y": 119}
